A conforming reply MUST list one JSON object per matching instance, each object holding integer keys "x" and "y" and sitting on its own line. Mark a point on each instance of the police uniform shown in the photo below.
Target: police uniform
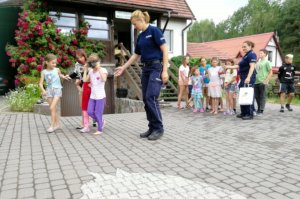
{"x": 244, "y": 67}
{"x": 148, "y": 47}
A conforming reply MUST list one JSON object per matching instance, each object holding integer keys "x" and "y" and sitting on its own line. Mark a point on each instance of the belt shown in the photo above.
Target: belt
{"x": 150, "y": 63}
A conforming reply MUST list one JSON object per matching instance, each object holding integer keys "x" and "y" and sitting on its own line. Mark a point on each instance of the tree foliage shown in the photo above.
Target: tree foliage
{"x": 258, "y": 16}
{"x": 289, "y": 29}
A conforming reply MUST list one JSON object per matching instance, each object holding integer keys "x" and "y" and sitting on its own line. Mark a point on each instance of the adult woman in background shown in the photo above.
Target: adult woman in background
{"x": 247, "y": 76}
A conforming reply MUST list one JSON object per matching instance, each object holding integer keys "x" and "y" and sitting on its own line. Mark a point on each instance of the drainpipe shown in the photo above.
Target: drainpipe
{"x": 182, "y": 34}
{"x": 165, "y": 26}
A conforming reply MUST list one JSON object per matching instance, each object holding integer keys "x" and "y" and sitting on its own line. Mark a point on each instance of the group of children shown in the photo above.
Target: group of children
{"x": 205, "y": 83}
{"x": 90, "y": 81}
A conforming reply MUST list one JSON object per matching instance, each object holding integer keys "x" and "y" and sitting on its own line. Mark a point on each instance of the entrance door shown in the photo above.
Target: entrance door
{"x": 122, "y": 29}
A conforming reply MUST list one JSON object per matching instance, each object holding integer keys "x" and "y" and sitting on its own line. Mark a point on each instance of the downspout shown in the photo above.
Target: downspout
{"x": 165, "y": 26}
{"x": 182, "y": 35}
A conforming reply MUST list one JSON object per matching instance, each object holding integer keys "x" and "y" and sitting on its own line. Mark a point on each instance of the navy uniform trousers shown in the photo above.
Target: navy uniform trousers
{"x": 151, "y": 85}
{"x": 247, "y": 110}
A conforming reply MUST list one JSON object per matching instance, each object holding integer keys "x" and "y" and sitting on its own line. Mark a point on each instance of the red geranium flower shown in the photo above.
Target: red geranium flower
{"x": 75, "y": 41}
{"x": 17, "y": 82}
{"x": 39, "y": 68}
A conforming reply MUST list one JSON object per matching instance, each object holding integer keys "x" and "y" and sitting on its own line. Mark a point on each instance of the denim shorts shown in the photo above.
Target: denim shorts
{"x": 286, "y": 88}
{"x": 54, "y": 92}
{"x": 231, "y": 88}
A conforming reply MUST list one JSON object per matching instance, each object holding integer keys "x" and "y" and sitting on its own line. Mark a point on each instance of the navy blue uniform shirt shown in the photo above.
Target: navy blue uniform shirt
{"x": 244, "y": 65}
{"x": 148, "y": 44}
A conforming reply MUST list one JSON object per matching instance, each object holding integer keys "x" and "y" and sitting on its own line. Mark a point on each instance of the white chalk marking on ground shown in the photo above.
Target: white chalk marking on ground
{"x": 150, "y": 185}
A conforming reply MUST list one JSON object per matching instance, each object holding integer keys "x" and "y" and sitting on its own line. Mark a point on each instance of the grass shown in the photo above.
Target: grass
{"x": 275, "y": 100}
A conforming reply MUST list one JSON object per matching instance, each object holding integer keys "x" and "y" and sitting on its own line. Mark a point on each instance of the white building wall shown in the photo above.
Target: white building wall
{"x": 276, "y": 58}
{"x": 176, "y": 25}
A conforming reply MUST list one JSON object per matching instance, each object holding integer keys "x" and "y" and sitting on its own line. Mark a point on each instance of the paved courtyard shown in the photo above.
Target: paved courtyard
{"x": 200, "y": 156}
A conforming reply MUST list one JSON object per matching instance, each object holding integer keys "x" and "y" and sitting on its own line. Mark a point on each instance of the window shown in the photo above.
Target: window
{"x": 270, "y": 56}
{"x": 99, "y": 29}
{"x": 169, "y": 39}
{"x": 64, "y": 21}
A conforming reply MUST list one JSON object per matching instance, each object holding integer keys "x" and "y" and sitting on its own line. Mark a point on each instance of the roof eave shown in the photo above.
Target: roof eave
{"x": 118, "y": 5}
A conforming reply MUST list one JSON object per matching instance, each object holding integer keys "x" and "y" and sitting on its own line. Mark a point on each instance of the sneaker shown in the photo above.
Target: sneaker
{"x": 103, "y": 124}
{"x": 254, "y": 113}
{"x": 207, "y": 109}
{"x": 195, "y": 110}
{"x": 50, "y": 130}
{"x": 56, "y": 128}
{"x": 233, "y": 112}
{"x": 227, "y": 112}
{"x": 98, "y": 133}
{"x": 259, "y": 114}
{"x": 94, "y": 123}
{"x": 288, "y": 107}
{"x": 201, "y": 110}
{"x": 85, "y": 130}
{"x": 281, "y": 110}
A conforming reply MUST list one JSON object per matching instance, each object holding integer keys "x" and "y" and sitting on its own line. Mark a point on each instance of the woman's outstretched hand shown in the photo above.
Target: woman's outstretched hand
{"x": 119, "y": 71}
{"x": 165, "y": 77}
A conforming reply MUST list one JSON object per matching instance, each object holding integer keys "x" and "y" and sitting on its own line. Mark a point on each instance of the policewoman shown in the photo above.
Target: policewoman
{"x": 152, "y": 49}
{"x": 247, "y": 76}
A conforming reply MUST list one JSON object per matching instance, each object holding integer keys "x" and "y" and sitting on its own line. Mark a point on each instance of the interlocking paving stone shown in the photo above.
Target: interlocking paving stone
{"x": 240, "y": 156}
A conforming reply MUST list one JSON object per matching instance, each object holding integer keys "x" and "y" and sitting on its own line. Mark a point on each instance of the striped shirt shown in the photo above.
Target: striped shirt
{"x": 97, "y": 84}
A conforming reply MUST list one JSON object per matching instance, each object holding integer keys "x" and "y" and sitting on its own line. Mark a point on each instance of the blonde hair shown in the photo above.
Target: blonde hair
{"x": 289, "y": 56}
{"x": 138, "y": 14}
{"x": 193, "y": 70}
{"x": 49, "y": 57}
{"x": 94, "y": 58}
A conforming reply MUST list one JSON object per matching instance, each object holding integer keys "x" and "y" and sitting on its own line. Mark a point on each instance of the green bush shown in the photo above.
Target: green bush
{"x": 23, "y": 98}
{"x": 178, "y": 60}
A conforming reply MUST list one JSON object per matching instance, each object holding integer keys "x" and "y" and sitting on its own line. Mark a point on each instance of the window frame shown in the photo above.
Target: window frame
{"x": 65, "y": 26}
{"x": 171, "y": 44}
{"x": 270, "y": 56}
{"x": 86, "y": 15}
{"x": 98, "y": 29}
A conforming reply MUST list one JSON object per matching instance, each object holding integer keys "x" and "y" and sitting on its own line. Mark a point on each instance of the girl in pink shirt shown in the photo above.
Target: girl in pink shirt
{"x": 97, "y": 77}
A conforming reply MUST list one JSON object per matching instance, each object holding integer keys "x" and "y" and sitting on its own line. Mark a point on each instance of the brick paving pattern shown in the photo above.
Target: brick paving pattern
{"x": 253, "y": 159}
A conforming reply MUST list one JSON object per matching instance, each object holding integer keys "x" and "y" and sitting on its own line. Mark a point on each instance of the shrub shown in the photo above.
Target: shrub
{"x": 178, "y": 60}
{"x": 23, "y": 98}
{"x": 37, "y": 35}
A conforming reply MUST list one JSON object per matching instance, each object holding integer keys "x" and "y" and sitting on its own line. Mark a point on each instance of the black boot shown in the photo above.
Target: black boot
{"x": 247, "y": 117}
{"x": 155, "y": 135}
{"x": 239, "y": 116}
{"x": 146, "y": 134}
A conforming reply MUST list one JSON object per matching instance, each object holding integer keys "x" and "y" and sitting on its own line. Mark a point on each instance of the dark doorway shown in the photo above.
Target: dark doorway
{"x": 122, "y": 29}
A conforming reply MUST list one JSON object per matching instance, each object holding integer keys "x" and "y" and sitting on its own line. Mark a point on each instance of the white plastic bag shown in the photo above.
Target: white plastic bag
{"x": 246, "y": 95}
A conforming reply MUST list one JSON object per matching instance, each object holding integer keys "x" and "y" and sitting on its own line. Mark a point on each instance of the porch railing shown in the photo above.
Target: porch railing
{"x": 132, "y": 74}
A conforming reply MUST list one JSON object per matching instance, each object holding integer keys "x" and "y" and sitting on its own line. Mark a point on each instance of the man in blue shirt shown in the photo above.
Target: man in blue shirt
{"x": 152, "y": 49}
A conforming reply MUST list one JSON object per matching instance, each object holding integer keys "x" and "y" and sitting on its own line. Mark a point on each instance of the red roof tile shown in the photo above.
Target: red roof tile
{"x": 228, "y": 48}
{"x": 180, "y": 7}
